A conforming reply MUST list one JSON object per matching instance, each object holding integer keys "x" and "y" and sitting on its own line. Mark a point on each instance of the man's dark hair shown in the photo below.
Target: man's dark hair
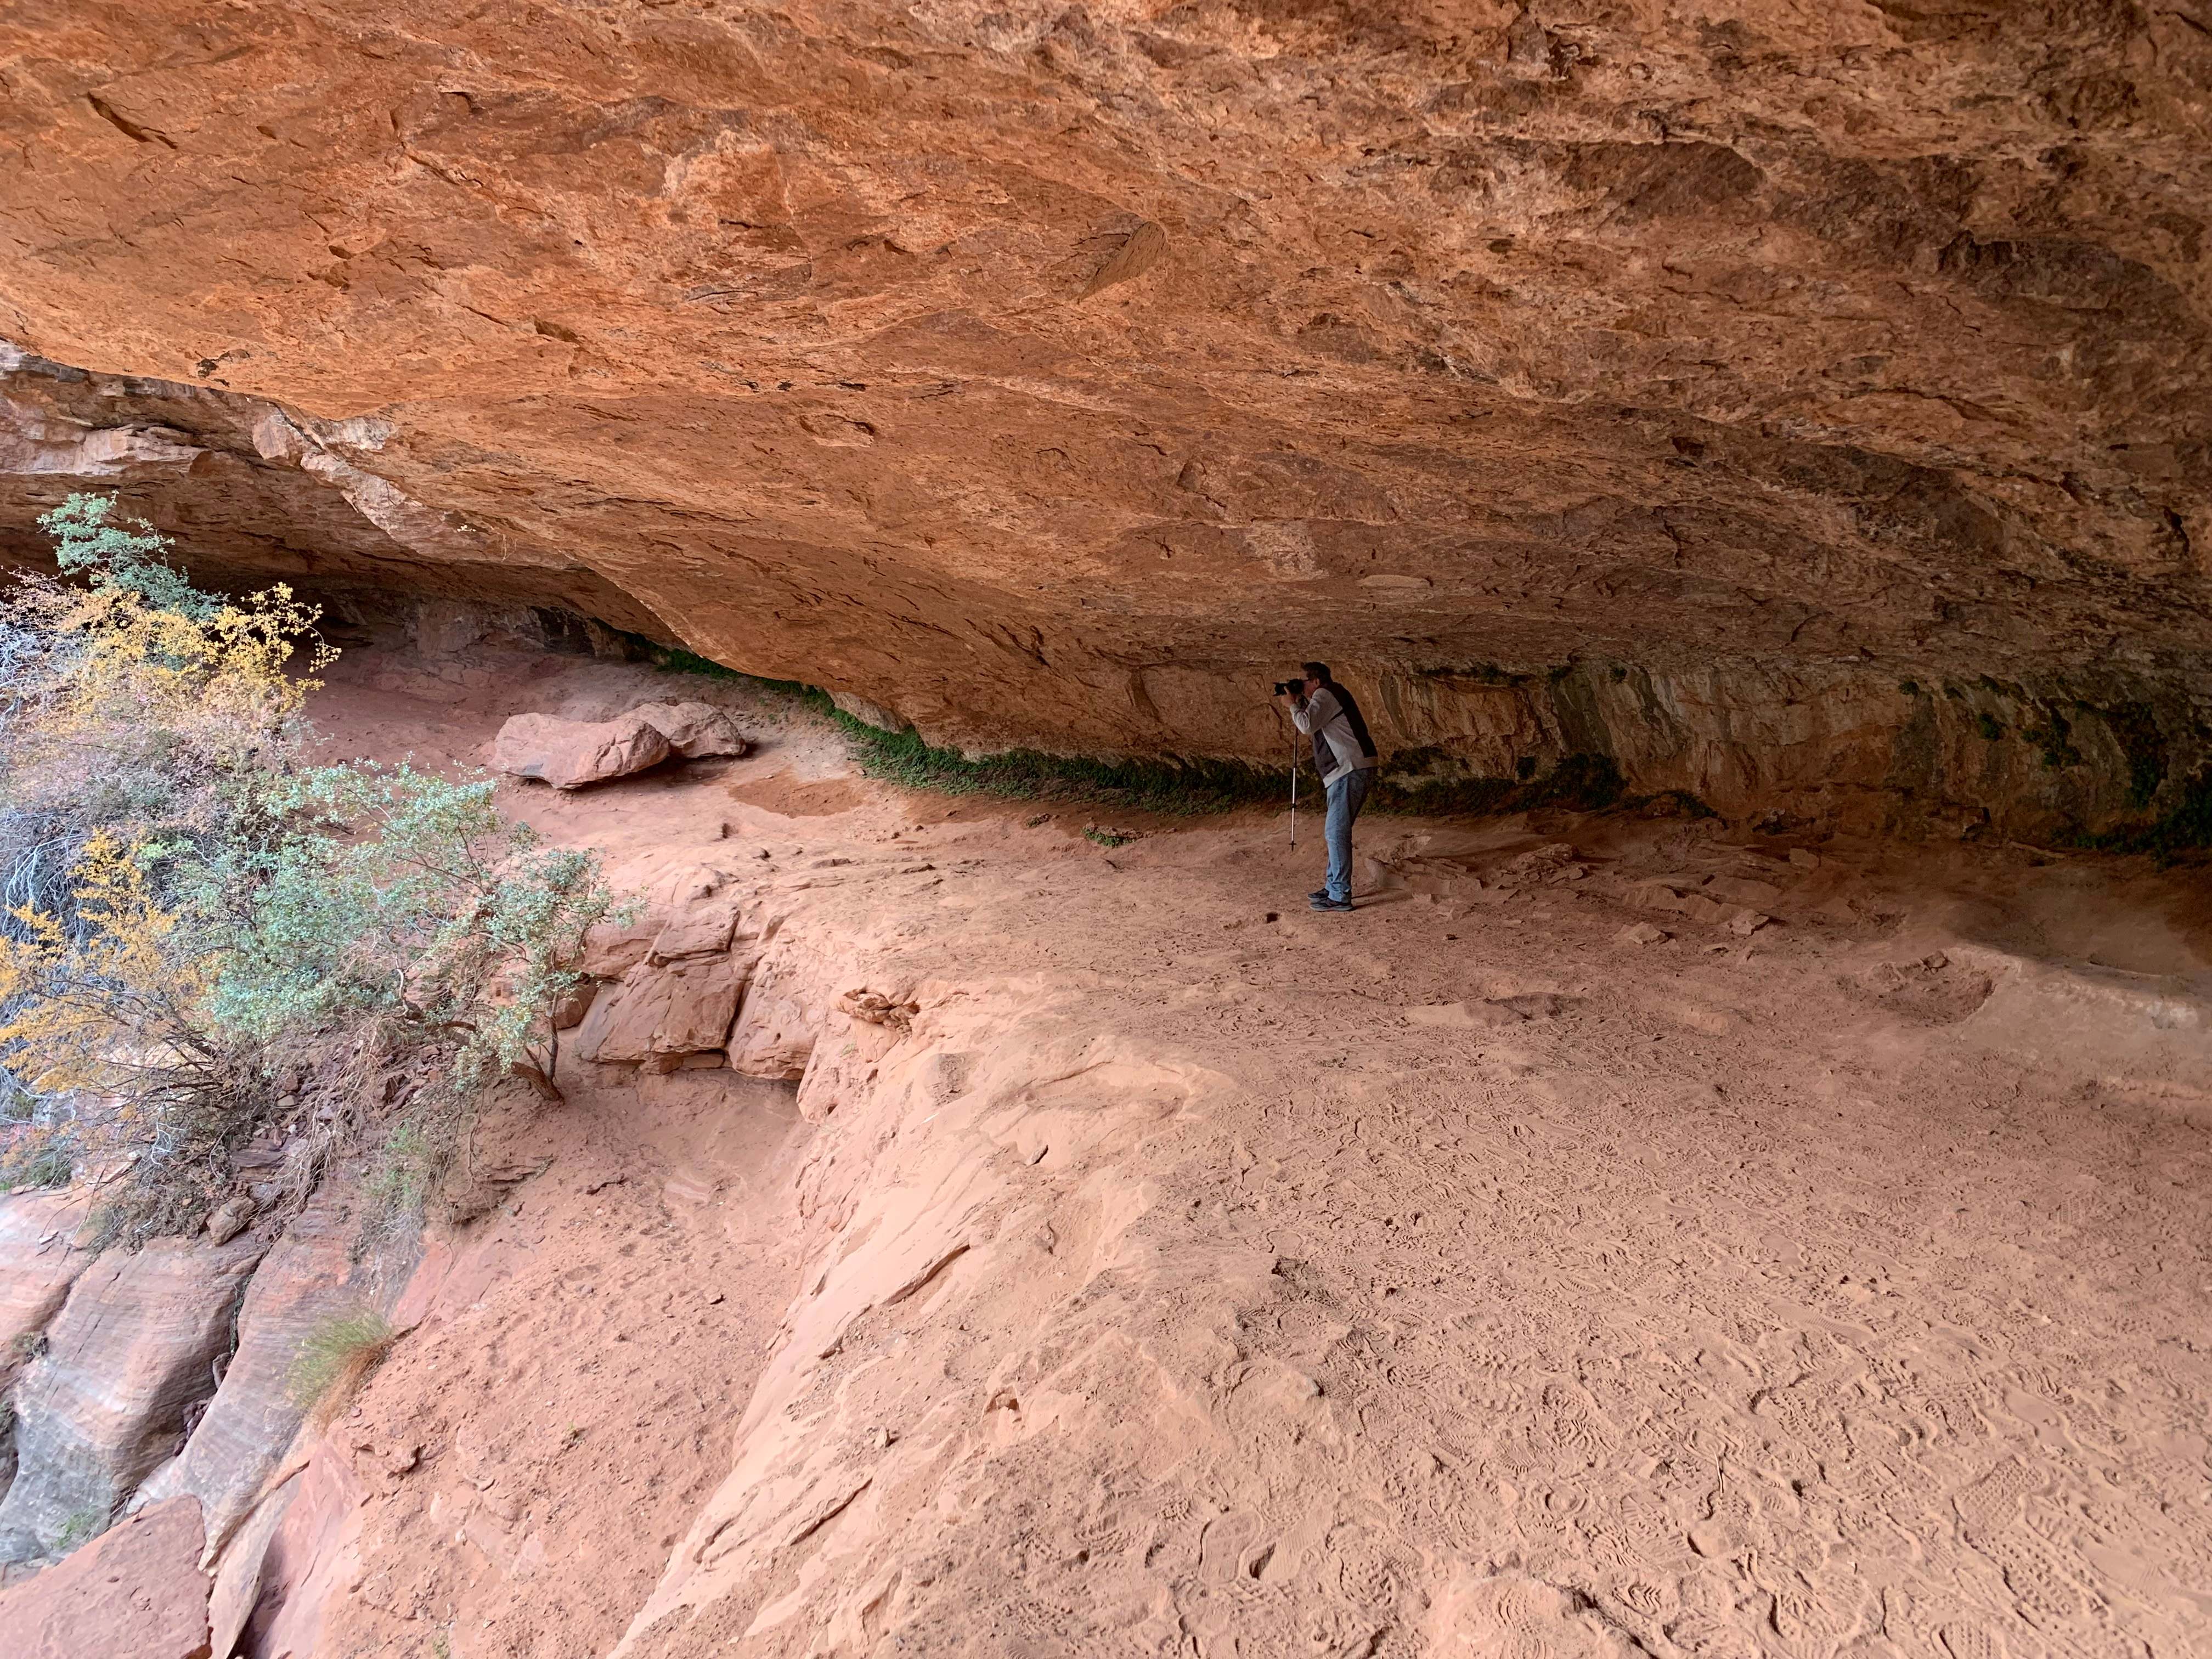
{"x": 1316, "y": 670}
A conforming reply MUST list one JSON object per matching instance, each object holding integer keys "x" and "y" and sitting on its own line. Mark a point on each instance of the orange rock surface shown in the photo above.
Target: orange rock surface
{"x": 134, "y": 1593}
{"x": 1679, "y": 387}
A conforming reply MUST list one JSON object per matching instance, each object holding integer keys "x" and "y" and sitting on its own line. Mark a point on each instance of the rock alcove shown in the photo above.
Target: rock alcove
{"x": 1806, "y": 412}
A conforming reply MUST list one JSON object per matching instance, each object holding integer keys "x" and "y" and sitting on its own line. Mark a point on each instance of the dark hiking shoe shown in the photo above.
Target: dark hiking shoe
{"x": 1323, "y": 901}
{"x": 1318, "y": 893}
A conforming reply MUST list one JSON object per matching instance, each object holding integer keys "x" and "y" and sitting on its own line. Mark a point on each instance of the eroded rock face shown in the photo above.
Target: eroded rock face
{"x": 1790, "y": 407}
{"x": 38, "y": 1265}
{"x": 250, "y": 493}
{"x": 317, "y": 1272}
{"x": 129, "y": 1356}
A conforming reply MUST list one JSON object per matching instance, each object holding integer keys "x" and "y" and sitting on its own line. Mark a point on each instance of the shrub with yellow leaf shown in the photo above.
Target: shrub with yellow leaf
{"x": 206, "y": 937}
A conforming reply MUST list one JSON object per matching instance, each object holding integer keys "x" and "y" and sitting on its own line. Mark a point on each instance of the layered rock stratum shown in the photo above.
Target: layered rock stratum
{"x": 1795, "y": 404}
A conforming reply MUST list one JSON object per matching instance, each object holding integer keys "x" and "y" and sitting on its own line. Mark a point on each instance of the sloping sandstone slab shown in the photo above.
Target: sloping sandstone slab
{"x": 134, "y": 1593}
{"x": 314, "y": 1273}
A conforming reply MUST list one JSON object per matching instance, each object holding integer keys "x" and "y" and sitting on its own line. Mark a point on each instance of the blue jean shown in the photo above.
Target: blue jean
{"x": 1346, "y": 797}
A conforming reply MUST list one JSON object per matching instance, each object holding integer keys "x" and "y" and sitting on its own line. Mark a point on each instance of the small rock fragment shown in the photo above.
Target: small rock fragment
{"x": 1640, "y": 933}
{"x": 1656, "y": 896}
{"x": 878, "y": 1009}
{"x": 1747, "y": 923}
{"x": 230, "y": 1220}
{"x": 1741, "y": 889}
{"x": 1136, "y": 256}
{"x": 1804, "y": 860}
{"x": 1542, "y": 866}
{"x": 1439, "y": 1013}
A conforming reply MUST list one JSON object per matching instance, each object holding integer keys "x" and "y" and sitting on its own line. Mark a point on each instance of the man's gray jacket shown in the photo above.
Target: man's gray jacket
{"x": 1341, "y": 742}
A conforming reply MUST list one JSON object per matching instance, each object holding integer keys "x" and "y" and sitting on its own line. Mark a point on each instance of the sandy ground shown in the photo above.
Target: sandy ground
{"x": 1503, "y": 1287}
{"x": 584, "y": 1347}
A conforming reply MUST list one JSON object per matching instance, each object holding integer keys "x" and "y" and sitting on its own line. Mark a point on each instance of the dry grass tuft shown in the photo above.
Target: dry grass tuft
{"x": 337, "y": 1355}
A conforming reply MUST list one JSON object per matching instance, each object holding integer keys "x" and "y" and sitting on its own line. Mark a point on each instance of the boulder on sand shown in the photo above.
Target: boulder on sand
{"x": 571, "y": 754}
{"x": 135, "y": 1592}
{"x": 695, "y": 730}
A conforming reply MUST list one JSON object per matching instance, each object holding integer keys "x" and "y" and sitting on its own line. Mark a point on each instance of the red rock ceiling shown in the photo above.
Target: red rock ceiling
{"x": 1050, "y": 373}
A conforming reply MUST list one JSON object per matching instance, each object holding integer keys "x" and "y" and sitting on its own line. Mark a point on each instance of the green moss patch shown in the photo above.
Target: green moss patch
{"x": 1414, "y": 782}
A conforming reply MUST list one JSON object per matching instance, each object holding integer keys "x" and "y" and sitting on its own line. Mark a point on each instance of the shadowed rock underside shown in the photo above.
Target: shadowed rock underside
{"x": 1802, "y": 405}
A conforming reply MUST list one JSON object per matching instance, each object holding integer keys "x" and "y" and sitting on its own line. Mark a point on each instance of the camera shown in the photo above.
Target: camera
{"x": 1289, "y": 688}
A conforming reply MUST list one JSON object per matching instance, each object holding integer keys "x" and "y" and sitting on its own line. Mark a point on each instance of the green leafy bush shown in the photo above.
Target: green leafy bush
{"x": 215, "y": 935}
{"x": 1173, "y": 785}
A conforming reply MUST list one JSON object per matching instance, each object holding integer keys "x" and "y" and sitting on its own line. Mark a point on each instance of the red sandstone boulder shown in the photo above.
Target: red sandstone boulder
{"x": 572, "y": 754}
{"x": 135, "y": 1592}
{"x": 775, "y": 1036}
{"x": 701, "y": 931}
{"x": 695, "y": 730}
{"x": 659, "y": 1014}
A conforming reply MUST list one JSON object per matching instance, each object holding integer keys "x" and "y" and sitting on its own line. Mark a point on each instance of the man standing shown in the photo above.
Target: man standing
{"x": 1343, "y": 754}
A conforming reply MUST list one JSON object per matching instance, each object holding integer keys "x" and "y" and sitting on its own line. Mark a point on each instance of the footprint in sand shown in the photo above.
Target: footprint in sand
{"x": 1510, "y": 1616}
